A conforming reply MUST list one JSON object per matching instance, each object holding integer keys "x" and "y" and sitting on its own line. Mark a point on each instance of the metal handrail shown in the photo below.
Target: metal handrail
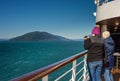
{"x": 45, "y": 71}
{"x": 117, "y": 55}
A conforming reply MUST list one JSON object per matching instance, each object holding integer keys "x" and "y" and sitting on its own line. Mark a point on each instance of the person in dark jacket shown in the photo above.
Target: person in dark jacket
{"x": 109, "y": 50}
{"x": 94, "y": 45}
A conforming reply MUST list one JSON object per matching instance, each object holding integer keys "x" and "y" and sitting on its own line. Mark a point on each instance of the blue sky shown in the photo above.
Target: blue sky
{"x": 68, "y": 18}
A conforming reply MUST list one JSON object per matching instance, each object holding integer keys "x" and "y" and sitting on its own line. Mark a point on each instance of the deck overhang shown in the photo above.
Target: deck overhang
{"x": 113, "y": 24}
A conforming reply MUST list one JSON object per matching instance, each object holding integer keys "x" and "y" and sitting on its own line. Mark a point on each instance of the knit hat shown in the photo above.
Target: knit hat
{"x": 96, "y": 30}
{"x": 106, "y": 34}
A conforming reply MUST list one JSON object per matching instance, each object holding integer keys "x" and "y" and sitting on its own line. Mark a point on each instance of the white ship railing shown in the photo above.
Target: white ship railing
{"x": 117, "y": 59}
{"x": 77, "y": 67}
{"x": 99, "y": 2}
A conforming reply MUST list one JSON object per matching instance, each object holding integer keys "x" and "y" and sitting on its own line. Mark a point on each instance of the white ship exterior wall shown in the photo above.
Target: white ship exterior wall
{"x": 108, "y": 10}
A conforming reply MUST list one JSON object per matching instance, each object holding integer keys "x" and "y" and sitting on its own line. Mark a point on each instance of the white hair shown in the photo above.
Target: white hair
{"x": 106, "y": 34}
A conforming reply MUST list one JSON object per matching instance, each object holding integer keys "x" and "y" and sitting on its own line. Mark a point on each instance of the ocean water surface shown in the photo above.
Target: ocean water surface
{"x": 18, "y": 58}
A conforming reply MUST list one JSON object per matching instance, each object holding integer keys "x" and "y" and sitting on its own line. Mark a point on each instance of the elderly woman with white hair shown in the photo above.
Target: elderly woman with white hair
{"x": 109, "y": 49}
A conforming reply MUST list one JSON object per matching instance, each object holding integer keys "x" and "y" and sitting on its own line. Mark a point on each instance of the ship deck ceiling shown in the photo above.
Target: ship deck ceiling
{"x": 111, "y": 24}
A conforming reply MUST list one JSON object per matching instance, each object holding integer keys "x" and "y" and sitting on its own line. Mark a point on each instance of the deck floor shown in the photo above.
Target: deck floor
{"x": 116, "y": 75}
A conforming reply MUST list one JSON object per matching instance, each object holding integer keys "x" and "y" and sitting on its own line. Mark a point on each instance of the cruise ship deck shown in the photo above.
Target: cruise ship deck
{"x": 108, "y": 17}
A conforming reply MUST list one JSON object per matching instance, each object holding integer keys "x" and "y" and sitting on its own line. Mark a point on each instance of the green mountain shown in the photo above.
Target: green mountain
{"x": 39, "y": 36}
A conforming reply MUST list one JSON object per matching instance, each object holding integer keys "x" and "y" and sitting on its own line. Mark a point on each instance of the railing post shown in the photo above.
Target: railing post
{"x": 117, "y": 62}
{"x": 45, "y": 78}
{"x": 74, "y": 71}
{"x": 85, "y": 70}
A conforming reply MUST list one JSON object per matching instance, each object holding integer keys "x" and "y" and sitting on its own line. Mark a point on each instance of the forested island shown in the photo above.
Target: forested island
{"x": 39, "y": 36}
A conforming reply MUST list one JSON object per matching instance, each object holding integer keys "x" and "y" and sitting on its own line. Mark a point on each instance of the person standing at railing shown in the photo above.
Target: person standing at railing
{"x": 109, "y": 58}
{"x": 94, "y": 45}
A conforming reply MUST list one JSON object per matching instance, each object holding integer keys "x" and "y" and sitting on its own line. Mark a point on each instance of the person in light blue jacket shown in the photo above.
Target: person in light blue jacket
{"x": 109, "y": 50}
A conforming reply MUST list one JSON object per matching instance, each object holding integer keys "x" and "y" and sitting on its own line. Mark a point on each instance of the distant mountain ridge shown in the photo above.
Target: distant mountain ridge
{"x": 39, "y": 36}
{"x": 3, "y": 39}
{"x": 78, "y": 39}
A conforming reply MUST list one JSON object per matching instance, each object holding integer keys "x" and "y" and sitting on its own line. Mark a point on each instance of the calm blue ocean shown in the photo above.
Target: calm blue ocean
{"x": 18, "y": 58}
